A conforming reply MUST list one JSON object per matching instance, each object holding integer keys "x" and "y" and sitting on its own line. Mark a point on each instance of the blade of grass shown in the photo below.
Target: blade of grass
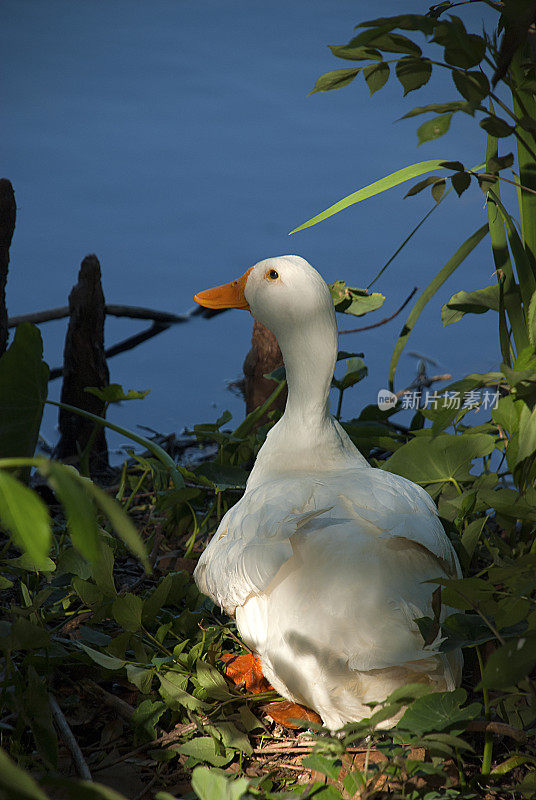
{"x": 396, "y": 178}
{"x": 452, "y": 264}
{"x": 525, "y": 107}
{"x": 503, "y": 265}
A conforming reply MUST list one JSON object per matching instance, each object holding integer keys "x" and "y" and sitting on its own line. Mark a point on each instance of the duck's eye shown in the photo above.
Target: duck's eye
{"x": 272, "y": 275}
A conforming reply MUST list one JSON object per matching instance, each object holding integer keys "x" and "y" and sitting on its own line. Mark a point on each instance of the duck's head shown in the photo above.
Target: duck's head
{"x": 280, "y": 292}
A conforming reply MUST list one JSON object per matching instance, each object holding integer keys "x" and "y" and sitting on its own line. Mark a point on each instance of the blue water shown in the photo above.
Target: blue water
{"x": 175, "y": 139}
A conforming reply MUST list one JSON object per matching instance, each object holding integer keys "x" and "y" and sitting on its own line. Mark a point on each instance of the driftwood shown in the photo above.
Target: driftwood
{"x": 264, "y": 357}
{"x": 8, "y": 212}
{"x": 84, "y": 365}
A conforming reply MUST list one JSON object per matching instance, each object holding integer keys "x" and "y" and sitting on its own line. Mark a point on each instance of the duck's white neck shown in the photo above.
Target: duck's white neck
{"x": 310, "y": 353}
{"x": 307, "y": 438}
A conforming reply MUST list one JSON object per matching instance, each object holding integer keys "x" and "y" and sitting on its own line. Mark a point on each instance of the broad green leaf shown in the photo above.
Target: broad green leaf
{"x": 511, "y": 763}
{"x": 212, "y": 681}
{"x": 441, "y": 459}
{"x": 232, "y": 737}
{"x": 527, "y": 433}
{"x": 102, "y": 570}
{"x": 146, "y": 716}
{"x": 418, "y": 187}
{"x": 439, "y": 711}
{"x": 510, "y": 663}
{"x": 462, "y": 49}
{"x": 409, "y": 692}
{"x": 102, "y": 659}
{"x": 354, "y": 301}
{"x": 376, "y": 76}
{"x": 25, "y": 516}
{"x": 433, "y": 128}
{"x": 410, "y": 22}
{"x": 355, "y": 53}
{"x": 121, "y": 524}
{"x": 438, "y": 189}
{"x": 16, "y": 783}
{"x": 496, "y": 127}
{"x": 507, "y": 414}
{"x": 413, "y": 73}
{"x": 461, "y": 181}
{"x": 210, "y": 785}
{"x": 173, "y": 692}
{"x": 474, "y": 86}
{"x": 476, "y": 302}
{"x": 153, "y": 604}
{"x": 140, "y": 678}
{"x": 204, "y": 748}
{"x": 127, "y": 610}
{"x": 471, "y": 535}
{"x": 26, "y": 635}
{"x": 464, "y": 630}
{"x": 452, "y": 264}
{"x": 23, "y": 390}
{"x": 335, "y": 79}
{"x": 438, "y": 108}
{"x": 71, "y": 489}
{"x": 396, "y": 178}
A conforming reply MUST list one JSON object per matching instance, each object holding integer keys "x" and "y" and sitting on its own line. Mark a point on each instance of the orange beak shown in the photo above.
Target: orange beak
{"x": 230, "y": 295}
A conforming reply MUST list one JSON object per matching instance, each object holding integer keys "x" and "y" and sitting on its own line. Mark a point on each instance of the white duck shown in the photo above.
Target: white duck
{"x": 323, "y": 561}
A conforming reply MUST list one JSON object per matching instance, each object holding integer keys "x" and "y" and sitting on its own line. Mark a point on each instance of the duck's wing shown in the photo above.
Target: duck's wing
{"x": 255, "y": 538}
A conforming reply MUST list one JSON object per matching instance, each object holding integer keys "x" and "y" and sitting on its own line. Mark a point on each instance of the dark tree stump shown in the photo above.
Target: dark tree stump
{"x": 84, "y": 365}
{"x": 8, "y": 213}
{"x": 264, "y": 357}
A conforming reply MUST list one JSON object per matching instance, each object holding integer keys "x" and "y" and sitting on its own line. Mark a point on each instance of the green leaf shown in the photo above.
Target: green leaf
{"x": 496, "y": 126}
{"x": 153, "y": 604}
{"x": 212, "y": 681}
{"x": 452, "y": 264}
{"x": 438, "y": 189}
{"x": 121, "y": 524}
{"x": 531, "y": 320}
{"x": 232, "y": 737}
{"x": 433, "y": 128}
{"x": 140, "y": 678}
{"x": 510, "y": 663}
{"x": 474, "y": 86}
{"x": 335, "y": 79}
{"x": 23, "y": 390}
{"x": 322, "y": 764}
{"x": 102, "y": 570}
{"x": 102, "y": 659}
{"x": 71, "y": 489}
{"x": 418, "y": 187}
{"x": 439, "y": 711}
{"x": 461, "y": 181}
{"x": 114, "y": 393}
{"x": 16, "y": 783}
{"x": 38, "y": 715}
{"x": 464, "y": 630}
{"x": 476, "y": 302}
{"x": 223, "y": 476}
{"x": 471, "y": 535}
{"x": 438, "y": 108}
{"x": 146, "y": 716}
{"x": 396, "y": 178}
{"x": 127, "y": 610}
{"x": 527, "y": 433}
{"x": 172, "y": 691}
{"x": 413, "y": 73}
{"x": 376, "y": 76}
{"x": 355, "y": 53}
{"x": 462, "y": 49}
{"x": 25, "y": 516}
{"x": 444, "y": 458}
{"x": 355, "y": 372}
{"x": 210, "y": 785}
{"x": 354, "y": 301}
{"x": 204, "y": 748}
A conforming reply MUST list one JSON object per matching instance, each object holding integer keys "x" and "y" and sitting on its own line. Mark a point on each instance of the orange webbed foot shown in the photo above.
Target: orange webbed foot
{"x": 285, "y": 712}
{"x": 245, "y": 670}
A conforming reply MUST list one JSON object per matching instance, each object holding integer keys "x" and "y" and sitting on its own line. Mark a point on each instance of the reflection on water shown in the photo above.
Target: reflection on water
{"x": 176, "y": 140}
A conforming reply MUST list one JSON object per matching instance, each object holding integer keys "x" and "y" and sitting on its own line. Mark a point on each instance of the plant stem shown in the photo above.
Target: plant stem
{"x": 339, "y": 405}
{"x": 488, "y": 736}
